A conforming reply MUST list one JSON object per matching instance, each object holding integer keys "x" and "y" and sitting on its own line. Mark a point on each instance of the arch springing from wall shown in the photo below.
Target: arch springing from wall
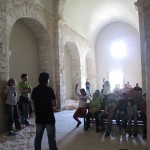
{"x": 72, "y": 69}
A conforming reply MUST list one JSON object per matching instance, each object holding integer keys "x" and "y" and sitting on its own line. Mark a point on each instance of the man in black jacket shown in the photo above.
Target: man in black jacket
{"x": 44, "y": 102}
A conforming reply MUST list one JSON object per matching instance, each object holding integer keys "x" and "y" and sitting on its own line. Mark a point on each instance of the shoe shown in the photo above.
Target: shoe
{"x": 107, "y": 134}
{"x": 102, "y": 129}
{"x": 97, "y": 129}
{"x": 78, "y": 124}
{"x": 11, "y": 133}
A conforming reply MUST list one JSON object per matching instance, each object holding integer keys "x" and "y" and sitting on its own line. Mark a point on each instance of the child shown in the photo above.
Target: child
{"x": 109, "y": 112}
{"x": 10, "y": 97}
{"x": 132, "y": 115}
{"x": 24, "y": 99}
{"x": 122, "y": 113}
{"x": 88, "y": 88}
{"x": 82, "y": 108}
{"x": 94, "y": 110}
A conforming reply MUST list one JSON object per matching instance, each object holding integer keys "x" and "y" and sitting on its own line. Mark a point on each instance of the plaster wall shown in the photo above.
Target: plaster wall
{"x": 68, "y": 73}
{"x": 130, "y": 65}
{"x": 66, "y": 34}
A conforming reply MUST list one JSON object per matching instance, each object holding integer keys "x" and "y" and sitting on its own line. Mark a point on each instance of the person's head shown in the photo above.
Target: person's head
{"x": 97, "y": 91}
{"x": 82, "y": 91}
{"x": 87, "y": 80}
{"x": 107, "y": 83}
{"x": 24, "y": 77}
{"x": 11, "y": 82}
{"x": 44, "y": 78}
{"x": 137, "y": 84}
{"x": 95, "y": 96}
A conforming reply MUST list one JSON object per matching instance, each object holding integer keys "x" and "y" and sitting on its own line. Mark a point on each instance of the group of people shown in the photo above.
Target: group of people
{"x": 121, "y": 105}
{"x": 19, "y": 117}
{"x": 18, "y": 111}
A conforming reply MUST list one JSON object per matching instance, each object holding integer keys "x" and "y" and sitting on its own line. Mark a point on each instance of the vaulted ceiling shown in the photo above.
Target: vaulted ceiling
{"x": 89, "y": 17}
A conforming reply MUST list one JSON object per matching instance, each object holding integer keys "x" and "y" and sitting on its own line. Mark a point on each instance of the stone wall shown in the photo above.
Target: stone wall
{"x": 41, "y": 23}
{"x": 52, "y": 35}
{"x": 66, "y": 34}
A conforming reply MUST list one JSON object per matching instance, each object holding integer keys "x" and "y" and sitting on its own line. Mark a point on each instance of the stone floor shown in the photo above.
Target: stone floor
{"x": 71, "y": 138}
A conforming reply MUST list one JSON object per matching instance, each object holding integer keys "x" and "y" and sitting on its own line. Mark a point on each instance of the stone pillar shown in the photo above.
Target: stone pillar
{"x": 91, "y": 71}
{"x": 3, "y": 61}
{"x": 139, "y": 5}
{"x": 144, "y": 22}
{"x": 60, "y": 75}
{"x": 147, "y": 37}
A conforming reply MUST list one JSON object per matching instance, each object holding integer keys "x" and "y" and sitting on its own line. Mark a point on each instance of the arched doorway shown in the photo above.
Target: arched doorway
{"x": 72, "y": 69}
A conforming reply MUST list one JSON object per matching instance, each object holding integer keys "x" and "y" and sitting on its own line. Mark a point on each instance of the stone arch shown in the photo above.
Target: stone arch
{"x": 43, "y": 51}
{"x": 40, "y": 23}
{"x": 72, "y": 68}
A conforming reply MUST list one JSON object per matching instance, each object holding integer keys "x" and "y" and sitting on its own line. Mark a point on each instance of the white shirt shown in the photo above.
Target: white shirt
{"x": 83, "y": 99}
{"x": 11, "y": 95}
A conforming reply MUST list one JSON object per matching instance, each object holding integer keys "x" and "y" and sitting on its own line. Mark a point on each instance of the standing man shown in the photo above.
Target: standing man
{"x": 44, "y": 103}
{"x": 88, "y": 88}
{"x": 24, "y": 100}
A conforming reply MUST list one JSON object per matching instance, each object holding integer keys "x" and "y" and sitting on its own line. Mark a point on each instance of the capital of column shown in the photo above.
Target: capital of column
{"x": 139, "y": 3}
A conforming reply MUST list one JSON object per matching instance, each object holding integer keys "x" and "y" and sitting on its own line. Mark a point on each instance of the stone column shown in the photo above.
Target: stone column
{"x": 147, "y": 37}
{"x": 60, "y": 75}
{"x": 3, "y": 61}
{"x": 91, "y": 71}
{"x": 144, "y": 23}
{"x": 139, "y": 5}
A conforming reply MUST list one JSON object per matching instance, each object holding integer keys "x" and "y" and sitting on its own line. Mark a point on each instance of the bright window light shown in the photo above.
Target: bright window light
{"x": 118, "y": 50}
{"x": 116, "y": 77}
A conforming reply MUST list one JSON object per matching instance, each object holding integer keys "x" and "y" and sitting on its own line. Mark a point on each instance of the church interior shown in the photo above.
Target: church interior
{"x": 76, "y": 40}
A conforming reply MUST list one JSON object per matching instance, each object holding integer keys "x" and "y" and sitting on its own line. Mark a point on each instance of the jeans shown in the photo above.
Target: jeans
{"x": 23, "y": 105}
{"x": 121, "y": 115}
{"x": 50, "y": 128}
{"x": 109, "y": 123}
{"x": 135, "y": 125}
{"x": 95, "y": 115}
{"x": 12, "y": 117}
{"x": 24, "y": 113}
